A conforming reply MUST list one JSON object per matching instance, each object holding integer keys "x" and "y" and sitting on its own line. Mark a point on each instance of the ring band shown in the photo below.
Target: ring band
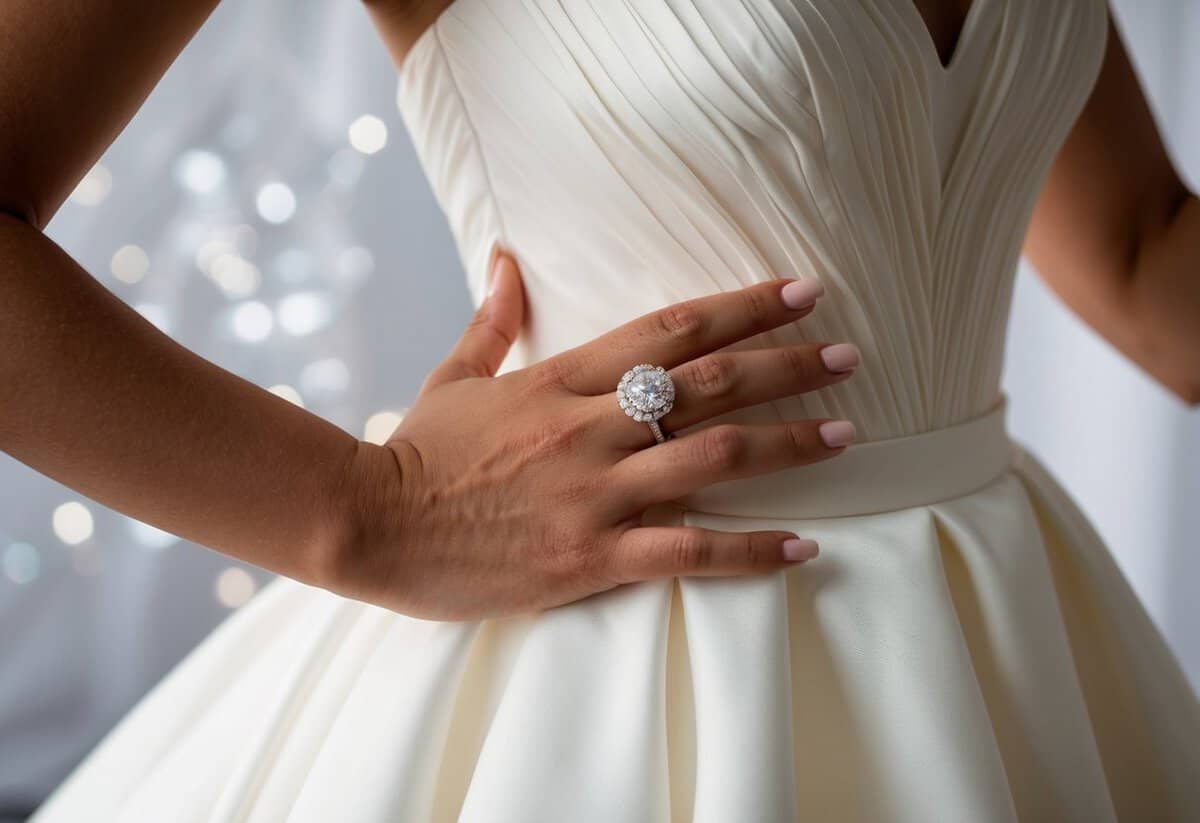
{"x": 646, "y": 393}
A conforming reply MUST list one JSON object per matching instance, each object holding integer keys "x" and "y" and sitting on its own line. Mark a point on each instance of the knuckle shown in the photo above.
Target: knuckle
{"x": 712, "y": 376}
{"x": 551, "y": 373}
{"x": 756, "y": 305}
{"x": 753, "y": 551}
{"x": 559, "y": 435}
{"x": 799, "y": 440}
{"x": 722, "y": 448}
{"x": 798, "y": 363}
{"x": 690, "y": 550}
{"x": 680, "y": 321}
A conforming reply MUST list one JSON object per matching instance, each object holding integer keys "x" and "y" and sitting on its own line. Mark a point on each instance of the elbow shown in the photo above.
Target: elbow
{"x": 20, "y": 209}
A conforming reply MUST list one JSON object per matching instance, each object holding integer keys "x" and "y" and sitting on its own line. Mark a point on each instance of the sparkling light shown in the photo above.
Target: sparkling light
{"x": 251, "y": 321}
{"x": 368, "y": 134}
{"x": 275, "y": 203}
{"x": 380, "y": 426}
{"x": 236, "y": 276}
{"x": 22, "y": 563}
{"x": 234, "y": 587}
{"x": 72, "y": 523}
{"x": 354, "y": 264}
{"x": 200, "y": 171}
{"x": 94, "y": 187}
{"x": 327, "y": 376}
{"x": 304, "y": 313}
{"x": 287, "y": 393}
{"x": 151, "y": 537}
{"x": 129, "y": 264}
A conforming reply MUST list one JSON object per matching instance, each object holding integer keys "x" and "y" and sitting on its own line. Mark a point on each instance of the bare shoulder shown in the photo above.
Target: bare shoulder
{"x": 401, "y": 22}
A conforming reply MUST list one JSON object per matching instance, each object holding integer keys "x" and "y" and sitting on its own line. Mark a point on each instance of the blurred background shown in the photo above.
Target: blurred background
{"x": 266, "y": 209}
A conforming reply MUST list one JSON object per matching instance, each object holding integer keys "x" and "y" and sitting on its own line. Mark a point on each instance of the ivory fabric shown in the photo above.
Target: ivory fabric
{"x": 964, "y": 649}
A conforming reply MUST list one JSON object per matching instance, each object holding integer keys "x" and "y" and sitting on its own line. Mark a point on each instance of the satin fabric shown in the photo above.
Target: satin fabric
{"x": 964, "y": 648}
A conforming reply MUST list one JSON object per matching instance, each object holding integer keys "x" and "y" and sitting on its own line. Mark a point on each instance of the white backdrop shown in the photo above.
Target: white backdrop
{"x": 244, "y": 213}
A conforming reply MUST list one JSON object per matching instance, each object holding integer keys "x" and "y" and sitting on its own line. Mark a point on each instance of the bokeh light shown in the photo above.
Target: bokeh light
{"x": 368, "y": 134}
{"x": 129, "y": 264}
{"x": 252, "y": 321}
{"x": 94, "y": 187}
{"x": 304, "y": 313}
{"x": 234, "y": 587}
{"x": 287, "y": 393}
{"x": 72, "y": 523}
{"x": 325, "y": 377}
{"x": 200, "y": 171}
{"x": 380, "y": 426}
{"x": 22, "y": 563}
{"x": 276, "y": 203}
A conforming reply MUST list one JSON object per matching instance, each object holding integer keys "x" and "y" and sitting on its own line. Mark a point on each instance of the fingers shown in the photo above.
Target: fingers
{"x": 724, "y": 381}
{"x": 684, "y": 331}
{"x": 649, "y": 552}
{"x": 725, "y": 452}
{"x": 492, "y": 329}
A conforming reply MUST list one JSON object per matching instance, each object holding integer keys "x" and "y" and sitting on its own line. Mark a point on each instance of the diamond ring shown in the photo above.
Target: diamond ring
{"x": 646, "y": 393}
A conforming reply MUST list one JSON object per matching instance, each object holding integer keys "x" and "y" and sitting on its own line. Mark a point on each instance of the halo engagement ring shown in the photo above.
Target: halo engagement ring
{"x": 646, "y": 393}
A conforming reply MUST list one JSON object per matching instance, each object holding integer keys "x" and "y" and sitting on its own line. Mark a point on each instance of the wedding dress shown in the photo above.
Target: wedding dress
{"x": 964, "y": 649}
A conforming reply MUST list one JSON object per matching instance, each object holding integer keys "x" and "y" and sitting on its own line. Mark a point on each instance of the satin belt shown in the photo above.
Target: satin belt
{"x": 871, "y": 477}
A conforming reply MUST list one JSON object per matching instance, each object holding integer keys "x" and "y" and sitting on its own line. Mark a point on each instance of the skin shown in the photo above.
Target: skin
{"x": 460, "y": 515}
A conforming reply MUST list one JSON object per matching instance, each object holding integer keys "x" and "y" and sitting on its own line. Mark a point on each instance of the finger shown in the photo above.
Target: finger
{"x": 492, "y": 329}
{"x": 683, "y": 331}
{"x": 725, "y": 381}
{"x": 648, "y": 552}
{"x": 725, "y": 452}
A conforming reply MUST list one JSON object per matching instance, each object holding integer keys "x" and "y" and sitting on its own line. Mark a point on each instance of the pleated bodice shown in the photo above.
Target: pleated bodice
{"x": 638, "y": 153}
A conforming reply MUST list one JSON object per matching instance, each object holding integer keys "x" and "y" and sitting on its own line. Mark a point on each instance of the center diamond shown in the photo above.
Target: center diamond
{"x": 649, "y": 390}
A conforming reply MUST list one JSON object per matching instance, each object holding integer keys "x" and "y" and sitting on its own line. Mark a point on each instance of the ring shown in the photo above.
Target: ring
{"x": 646, "y": 393}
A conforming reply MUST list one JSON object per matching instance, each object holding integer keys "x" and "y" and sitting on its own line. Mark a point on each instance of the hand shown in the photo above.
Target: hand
{"x": 526, "y": 490}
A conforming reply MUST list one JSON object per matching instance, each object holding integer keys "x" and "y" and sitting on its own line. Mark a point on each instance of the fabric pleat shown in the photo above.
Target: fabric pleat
{"x": 964, "y": 649}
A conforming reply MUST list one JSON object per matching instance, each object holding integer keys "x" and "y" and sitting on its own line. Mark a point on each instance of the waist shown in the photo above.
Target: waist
{"x": 872, "y": 477}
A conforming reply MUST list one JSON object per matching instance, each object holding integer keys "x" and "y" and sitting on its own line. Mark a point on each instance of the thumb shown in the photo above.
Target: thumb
{"x": 492, "y": 330}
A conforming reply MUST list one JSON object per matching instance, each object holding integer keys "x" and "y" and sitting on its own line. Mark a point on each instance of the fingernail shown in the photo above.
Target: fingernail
{"x": 797, "y": 550}
{"x": 840, "y": 357}
{"x": 802, "y": 293}
{"x": 837, "y": 433}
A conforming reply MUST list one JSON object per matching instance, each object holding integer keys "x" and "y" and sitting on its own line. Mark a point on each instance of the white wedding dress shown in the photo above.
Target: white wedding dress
{"x": 964, "y": 649}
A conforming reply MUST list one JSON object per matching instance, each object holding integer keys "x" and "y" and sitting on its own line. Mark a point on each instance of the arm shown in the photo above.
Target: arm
{"x": 92, "y": 394}
{"x": 1116, "y": 233}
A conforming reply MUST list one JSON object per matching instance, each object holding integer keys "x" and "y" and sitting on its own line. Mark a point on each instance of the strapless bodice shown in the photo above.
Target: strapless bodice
{"x": 638, "y": 153}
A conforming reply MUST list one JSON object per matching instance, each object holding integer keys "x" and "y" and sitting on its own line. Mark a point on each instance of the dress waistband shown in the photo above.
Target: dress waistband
{"x": 871, "y": 477}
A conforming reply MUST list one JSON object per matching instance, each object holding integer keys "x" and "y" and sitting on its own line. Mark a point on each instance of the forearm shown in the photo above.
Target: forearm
{"x": 97, "y": 398}
{"x": 1163, "y": 298}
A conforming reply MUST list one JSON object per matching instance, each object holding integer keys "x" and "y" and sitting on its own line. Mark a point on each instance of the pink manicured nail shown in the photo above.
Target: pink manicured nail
{"x": 840, "y": 357}
{"x": 837, "y": 433}
{"x": 802, "y": 293}
{"x": 797, "y": 550}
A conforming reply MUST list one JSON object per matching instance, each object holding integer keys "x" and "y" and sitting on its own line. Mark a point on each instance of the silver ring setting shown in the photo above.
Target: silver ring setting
{"x": 646, "y": 393}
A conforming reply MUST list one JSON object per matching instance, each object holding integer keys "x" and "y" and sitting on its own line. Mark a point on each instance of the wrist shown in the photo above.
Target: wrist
{"x": 361, "y": 522}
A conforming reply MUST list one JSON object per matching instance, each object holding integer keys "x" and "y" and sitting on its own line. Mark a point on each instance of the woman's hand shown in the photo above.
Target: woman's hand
{"x": 526, "y": 491}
